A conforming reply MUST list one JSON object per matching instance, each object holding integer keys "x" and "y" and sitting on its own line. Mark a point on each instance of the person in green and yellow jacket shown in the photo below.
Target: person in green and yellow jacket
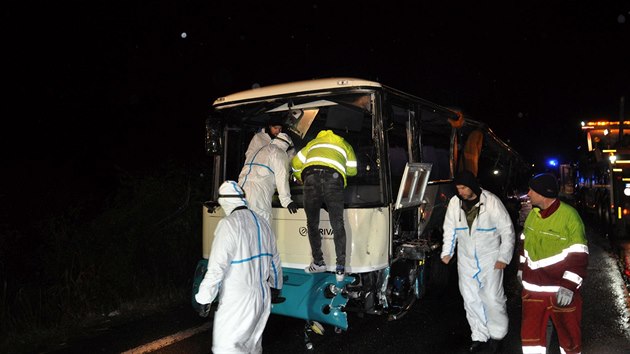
{"x": 323, "y": 166}
{"x": 552, "y": 268}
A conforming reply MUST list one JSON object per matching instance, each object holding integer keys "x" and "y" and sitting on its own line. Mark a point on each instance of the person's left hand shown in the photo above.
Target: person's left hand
{"x": 564, "y": 297}
{"x": 292, "y": 207}
{"x": 500, "y": 265}
{"x": 204, "y": 310}
{"x": 275, "y": 296}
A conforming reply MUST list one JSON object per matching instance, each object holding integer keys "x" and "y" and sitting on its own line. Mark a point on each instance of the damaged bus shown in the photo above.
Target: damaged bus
{"x": 407, "y": 149}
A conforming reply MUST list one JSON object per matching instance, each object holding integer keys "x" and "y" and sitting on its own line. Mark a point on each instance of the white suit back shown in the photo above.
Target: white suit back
{"x": 243, "y": 265}
{"x": 266, "y": 171}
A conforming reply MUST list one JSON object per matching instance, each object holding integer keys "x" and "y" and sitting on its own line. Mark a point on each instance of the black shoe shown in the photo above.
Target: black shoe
{"x": 477, "y": 347}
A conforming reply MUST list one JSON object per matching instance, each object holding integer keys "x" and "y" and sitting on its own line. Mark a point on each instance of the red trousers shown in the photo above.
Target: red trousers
{"x": 538, "y": 307}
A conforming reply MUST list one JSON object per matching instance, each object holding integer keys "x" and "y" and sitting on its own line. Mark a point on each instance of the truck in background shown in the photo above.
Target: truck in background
{"x": 603, "y": 174}
{"x": 567, "y": 181}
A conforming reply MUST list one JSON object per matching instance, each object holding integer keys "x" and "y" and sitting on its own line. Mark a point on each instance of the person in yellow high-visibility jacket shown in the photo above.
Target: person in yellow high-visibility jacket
{"x": 323, "y": 166}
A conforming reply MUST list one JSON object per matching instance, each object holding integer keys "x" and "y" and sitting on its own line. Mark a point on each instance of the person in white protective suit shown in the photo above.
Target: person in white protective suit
{"x": 243, "y": 269}
{"x": 267, "y": 170}
{"x": 478, "y": 223}
{"x": 263, "y": 137}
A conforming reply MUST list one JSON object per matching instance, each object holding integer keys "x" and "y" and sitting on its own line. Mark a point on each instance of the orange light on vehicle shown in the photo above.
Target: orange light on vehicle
{"x": 604, "y": 123}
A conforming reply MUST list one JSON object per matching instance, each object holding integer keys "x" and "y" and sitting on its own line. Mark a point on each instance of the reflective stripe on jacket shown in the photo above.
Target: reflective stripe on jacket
{"x": 554, "y": 250}
{"x": 327, "y": 149}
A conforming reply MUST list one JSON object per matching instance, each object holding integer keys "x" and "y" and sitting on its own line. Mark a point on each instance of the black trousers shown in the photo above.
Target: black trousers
{"x": 324, "y": 185}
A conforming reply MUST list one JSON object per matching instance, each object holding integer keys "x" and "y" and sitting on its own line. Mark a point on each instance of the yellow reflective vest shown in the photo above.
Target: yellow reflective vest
{"x": 327, "y": 149}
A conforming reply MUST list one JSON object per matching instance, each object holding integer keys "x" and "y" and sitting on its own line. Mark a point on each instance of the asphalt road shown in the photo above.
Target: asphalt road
{"x": 436, "y": 324}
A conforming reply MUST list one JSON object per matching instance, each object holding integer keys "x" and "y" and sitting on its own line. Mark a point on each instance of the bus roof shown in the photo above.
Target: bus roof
{"x": 296, "y": 87}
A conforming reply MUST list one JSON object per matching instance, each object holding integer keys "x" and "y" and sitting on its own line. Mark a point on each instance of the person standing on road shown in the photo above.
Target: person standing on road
{"x": 323, "y": 165}
{"x": 243, "y": 268}
{"x": 552, "y": 268}
{"x": 267, "y": 170}
{"x": 479, "y": 225}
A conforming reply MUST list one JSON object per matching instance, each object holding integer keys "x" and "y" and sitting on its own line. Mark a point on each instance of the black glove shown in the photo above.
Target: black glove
{"x": 275, "y": 296}
{"x": 292, "y": 208}
{"x": 204, "y": 310}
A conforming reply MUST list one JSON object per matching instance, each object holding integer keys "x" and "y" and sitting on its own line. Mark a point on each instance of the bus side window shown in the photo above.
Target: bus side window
{"x": 398, "y": 160}
{"x": 472, "y": 150}
{"x": 397, "y": 153}
{"x": 440, "y": 158}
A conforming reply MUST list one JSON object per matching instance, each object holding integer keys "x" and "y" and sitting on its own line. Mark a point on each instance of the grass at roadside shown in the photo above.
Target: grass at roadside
{"x": 82, "y": 265}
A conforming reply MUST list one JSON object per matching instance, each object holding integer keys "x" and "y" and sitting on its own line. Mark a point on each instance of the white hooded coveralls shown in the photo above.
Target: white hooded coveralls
{"x": 244, "y": 263}
{"x": 267, "y": 170}
{"x": 490, "y": 239}
{"x": 261, "y": 139}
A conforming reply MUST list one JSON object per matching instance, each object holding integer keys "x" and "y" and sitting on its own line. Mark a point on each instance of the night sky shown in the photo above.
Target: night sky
{"x": 130, "y": 83}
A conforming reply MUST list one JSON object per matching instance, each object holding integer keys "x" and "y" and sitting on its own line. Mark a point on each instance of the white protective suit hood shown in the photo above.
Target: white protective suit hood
{"x": 231, "y": 196}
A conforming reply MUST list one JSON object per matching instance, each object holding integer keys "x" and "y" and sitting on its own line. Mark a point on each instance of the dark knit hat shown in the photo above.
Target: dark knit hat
{"x": 276, "y": 120}
{"x": 544, "y": 184}
{"x": 469, "y": 180}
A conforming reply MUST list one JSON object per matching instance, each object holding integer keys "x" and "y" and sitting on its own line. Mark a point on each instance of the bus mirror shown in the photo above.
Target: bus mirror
{"x": 413, "y": 184}
{"x": 214, "y": 144}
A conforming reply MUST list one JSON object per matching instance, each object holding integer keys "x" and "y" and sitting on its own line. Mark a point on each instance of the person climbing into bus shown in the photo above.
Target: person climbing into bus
{"x": 263, "y": 137}
{"x": 479, "y": 225}
{"x": 267, "y": 170}
{"x": 323, "y": 166}
{"x": 243, "y": 269}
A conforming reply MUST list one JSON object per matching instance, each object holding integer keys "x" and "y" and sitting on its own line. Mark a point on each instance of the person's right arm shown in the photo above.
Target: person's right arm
{"x": 297, "y": 163}
{"x": 223, "y": 250}
{"x": 280, "y": 164}
{"x": 449, "y": 237}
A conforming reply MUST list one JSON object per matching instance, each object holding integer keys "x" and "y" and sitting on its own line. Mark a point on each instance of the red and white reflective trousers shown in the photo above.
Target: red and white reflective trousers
{"x": 538, "y": 308}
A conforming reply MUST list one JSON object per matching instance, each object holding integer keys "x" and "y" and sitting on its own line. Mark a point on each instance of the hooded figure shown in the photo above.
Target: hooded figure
{"x": 263, "y": 137}
{"x": 243, "y": 265}
{"x": 267, "y": 170}
{"x": 478, "y": 223}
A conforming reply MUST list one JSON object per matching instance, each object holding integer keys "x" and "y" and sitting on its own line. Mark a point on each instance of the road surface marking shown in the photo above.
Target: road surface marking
{"x": 166, "y": 341}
